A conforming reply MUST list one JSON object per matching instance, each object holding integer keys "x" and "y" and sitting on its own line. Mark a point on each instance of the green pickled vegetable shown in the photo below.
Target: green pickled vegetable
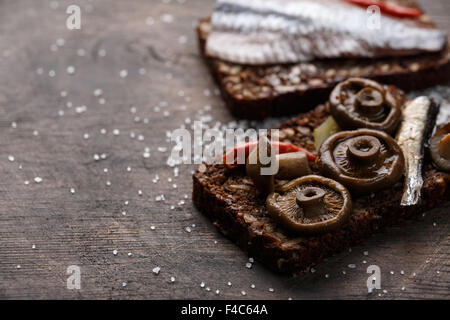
{"x": 326, "y": 129}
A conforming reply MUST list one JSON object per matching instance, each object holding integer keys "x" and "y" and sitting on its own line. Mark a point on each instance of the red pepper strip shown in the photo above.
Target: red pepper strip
{"x": 389, "y": 8}
{"x": 283, "y": 147}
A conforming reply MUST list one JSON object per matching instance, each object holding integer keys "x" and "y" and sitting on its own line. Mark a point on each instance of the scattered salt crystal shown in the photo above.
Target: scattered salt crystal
{"x": 98, "y": 92}
{"x": 72, "y": 190}
{"x": 38, "y": 179}
{"x": 188, "y": 229}
{"x": 229, "y": 283}
{"x": 248, "y": 265}
{"x": 123, "y": 73}
{"x": 70, "y": 69}
{"x": 124, "y": 284}
{"x": 152, "y": 227}
{"x": 243, "y": 293}
{"x": 11, "y": 158}
{"x": 352, "y": 266}
{"x": 156, "y": 270}
{"x": 202, "y": 285}
{"x": 271, "y": 290}
{"x": 115, "y": 252}
{"x": 172, "y": 279}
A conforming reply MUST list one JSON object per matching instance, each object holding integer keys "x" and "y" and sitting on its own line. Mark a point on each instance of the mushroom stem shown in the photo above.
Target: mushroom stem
{"x": 369, "y": 101}
{"x": 364, "y": 148}
{"x": 444, "y": 147}
{"x": 310, "y": 200}
{"x": 292, "y": 165}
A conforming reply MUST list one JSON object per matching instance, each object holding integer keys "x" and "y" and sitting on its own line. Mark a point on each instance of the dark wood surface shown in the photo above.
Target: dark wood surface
{"x": 44, "y": 227}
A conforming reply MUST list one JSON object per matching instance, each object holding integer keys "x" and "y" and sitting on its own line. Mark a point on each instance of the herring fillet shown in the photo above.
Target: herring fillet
{"x": 410, "y": 139}
{"x": 289, "y": 31}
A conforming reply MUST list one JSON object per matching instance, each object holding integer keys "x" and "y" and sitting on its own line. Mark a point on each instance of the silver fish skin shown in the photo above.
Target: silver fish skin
{"x": 410, "y": 138}
{"x": 259, "y": 32}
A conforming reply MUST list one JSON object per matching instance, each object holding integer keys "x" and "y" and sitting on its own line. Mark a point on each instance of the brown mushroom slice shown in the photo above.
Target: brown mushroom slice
{"x": 254, "y": 167}
{"x": 310, "y": 205}
{"x": 362, "y": 103}
{"x": 363, "y": 160}
{"x": 440, "y": 147}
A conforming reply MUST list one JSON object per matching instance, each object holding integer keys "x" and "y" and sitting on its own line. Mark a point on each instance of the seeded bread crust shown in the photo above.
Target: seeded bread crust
{"x": 229, "y": 199}
{"x": 256, "y": 92}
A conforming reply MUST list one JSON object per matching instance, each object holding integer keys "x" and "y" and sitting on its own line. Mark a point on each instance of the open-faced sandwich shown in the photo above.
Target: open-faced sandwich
{"x": 278, "y": 57}
{"x": 367, "y": 159}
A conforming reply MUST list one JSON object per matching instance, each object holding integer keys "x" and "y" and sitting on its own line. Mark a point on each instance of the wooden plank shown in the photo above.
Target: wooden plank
{"x": 44, "y": 227}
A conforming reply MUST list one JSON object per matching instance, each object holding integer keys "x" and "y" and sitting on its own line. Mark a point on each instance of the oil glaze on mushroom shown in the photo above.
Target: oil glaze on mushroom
{"x": 363, "y": 160}
{"x": 310, "y": 205}
{"x": 440, "y": 147}
{"x": 362, "y": 103}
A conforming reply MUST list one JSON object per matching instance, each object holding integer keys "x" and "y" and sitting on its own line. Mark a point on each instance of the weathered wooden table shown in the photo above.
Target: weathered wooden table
{"x": 78, "y": 108}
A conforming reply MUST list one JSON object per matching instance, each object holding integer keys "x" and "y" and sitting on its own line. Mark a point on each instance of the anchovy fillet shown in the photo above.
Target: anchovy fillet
{"x": 289, "y": 31}
{"x": 411, "y": 138}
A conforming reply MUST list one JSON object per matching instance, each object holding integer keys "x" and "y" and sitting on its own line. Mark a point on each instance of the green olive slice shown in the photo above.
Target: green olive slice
{"x": 362, "y": 103}
{"x": 363, "y": 160}
{"x": 310, "y": 205}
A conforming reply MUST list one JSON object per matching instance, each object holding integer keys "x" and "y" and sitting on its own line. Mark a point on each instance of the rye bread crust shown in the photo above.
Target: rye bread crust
{"x": 256, "y": 92}
{"x": 229, "y": 199}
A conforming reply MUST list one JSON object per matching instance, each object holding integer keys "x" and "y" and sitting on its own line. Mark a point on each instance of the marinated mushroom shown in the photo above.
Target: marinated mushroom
{"x": 292, "y": 165}
{"x": 362, "y": 103}
{"x": 310, "y": 205}
{"x": 288, "y": 166}
{"x": 440, "y": 147}
{"x": 363, "y": 160}
{"x": 256, "y": 167}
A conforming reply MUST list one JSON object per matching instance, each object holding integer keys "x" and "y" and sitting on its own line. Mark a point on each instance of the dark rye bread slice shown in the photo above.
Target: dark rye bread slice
{"x": 229, "y": 199}
{"x": 255, "y": 92}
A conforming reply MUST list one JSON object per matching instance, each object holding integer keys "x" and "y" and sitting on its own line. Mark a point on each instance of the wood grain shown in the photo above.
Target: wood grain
{"x": 44, "y": 227}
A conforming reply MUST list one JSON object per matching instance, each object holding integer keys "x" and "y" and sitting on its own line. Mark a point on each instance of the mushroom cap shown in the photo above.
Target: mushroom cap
{"x": 363, "y": 160}
{"x": 362, "y": 103}
{"x": 440, "y": 147}
{"x": 264, "y": 183}
{"x": 310, "y": 205}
